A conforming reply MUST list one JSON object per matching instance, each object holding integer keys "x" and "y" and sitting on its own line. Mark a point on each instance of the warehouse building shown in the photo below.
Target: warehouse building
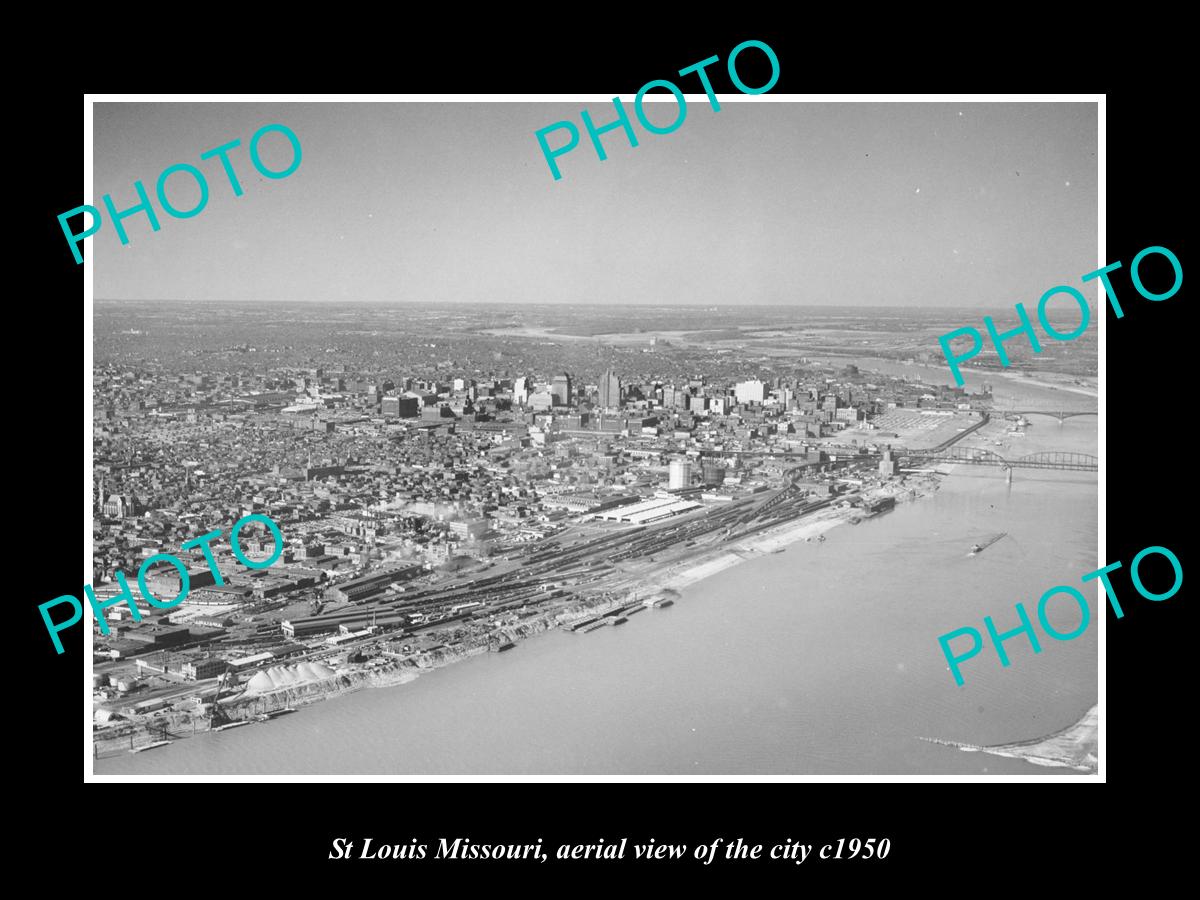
{"x": 649, "y": 510}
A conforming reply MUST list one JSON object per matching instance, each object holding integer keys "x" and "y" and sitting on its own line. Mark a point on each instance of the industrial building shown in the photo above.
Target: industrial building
{"x": 203, "y": 668}
{"x": 250, "y": 662}
{"x": 649, "y": 510}
{"x": 358, "y": 619}
{"x": 470, "y": 529}
{"x": 358, "y": 589}
{"x": 713, "y": 472}
{"x": 165, "y": 582}
{"x": 158, "y": 636}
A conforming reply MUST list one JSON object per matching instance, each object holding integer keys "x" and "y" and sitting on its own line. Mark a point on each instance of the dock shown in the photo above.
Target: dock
{"x": 150, "y": 746}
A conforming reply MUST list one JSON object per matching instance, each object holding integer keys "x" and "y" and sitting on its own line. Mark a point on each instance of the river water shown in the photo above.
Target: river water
{"x": 822, "y": 659}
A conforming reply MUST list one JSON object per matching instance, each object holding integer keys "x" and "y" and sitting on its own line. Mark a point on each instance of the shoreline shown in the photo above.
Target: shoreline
{"x": 1073, "y": 747}
{"x": 669, "y": 581}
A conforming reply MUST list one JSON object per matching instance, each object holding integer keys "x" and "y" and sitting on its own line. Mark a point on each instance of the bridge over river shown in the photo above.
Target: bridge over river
{"x": 1061, "y": 415}
{"x": 949, "y": 453}
{"x": 978, "y": 456}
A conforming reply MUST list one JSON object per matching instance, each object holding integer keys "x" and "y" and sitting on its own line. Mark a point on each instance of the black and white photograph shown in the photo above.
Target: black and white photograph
{"x": 663, "y": 437}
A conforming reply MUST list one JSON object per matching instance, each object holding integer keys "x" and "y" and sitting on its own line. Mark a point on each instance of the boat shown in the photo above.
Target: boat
{"x": 662, "y": 602}
{"x": 501, "y": 647}
{"x": 976, "y": 549}
{"x": 236, "y": 724}
{"x": 150, "y": 746}
{"x": 274, "y": 713}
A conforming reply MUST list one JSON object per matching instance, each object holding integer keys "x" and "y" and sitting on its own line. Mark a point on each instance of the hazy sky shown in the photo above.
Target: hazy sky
{"x": 781, "y": 203}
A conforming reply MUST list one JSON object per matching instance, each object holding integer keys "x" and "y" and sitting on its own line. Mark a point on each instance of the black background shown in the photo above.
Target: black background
{"x": 960, "y": 836}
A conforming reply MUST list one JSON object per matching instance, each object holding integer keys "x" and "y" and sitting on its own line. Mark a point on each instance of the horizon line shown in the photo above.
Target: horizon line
{"x": 589, "y": 306}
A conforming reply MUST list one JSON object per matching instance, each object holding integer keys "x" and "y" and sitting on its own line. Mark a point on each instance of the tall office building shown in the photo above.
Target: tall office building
{"x": 521, "y": 391}
{"x": 888, "y": 466}
{"x": 560, "y": 389}
{"x": 750, "y": 391}
{"x": 610, "y": 390}
{"x": 679, "y": 474}
{"x": 401, "y": 407}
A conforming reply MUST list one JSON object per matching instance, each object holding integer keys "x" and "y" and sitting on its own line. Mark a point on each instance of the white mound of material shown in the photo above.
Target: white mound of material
{"x": 279, "y": 677}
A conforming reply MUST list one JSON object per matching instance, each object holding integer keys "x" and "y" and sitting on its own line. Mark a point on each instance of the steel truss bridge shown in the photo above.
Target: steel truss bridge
{"x": 1061, "y": 415}
{"x": 982, "y": 457}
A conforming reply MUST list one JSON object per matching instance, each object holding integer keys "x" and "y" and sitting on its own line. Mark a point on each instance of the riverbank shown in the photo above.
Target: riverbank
{"x": 1072, "y": 388}
{"x": 805, "y": 529}
{"x": 634, "y": 584}
{"x": 1074, "y": 747}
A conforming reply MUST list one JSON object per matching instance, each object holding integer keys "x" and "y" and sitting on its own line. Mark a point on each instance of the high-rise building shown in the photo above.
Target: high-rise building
{"x": 750, "y": 391}
{"x": 610, "y": 390}
{"x": 401, "y": 407}
{"x": 560, "y": 389}
{"x": 521, "y": 391}
{"x": 888, "y": 466}
{"x": 679, "y": 474}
